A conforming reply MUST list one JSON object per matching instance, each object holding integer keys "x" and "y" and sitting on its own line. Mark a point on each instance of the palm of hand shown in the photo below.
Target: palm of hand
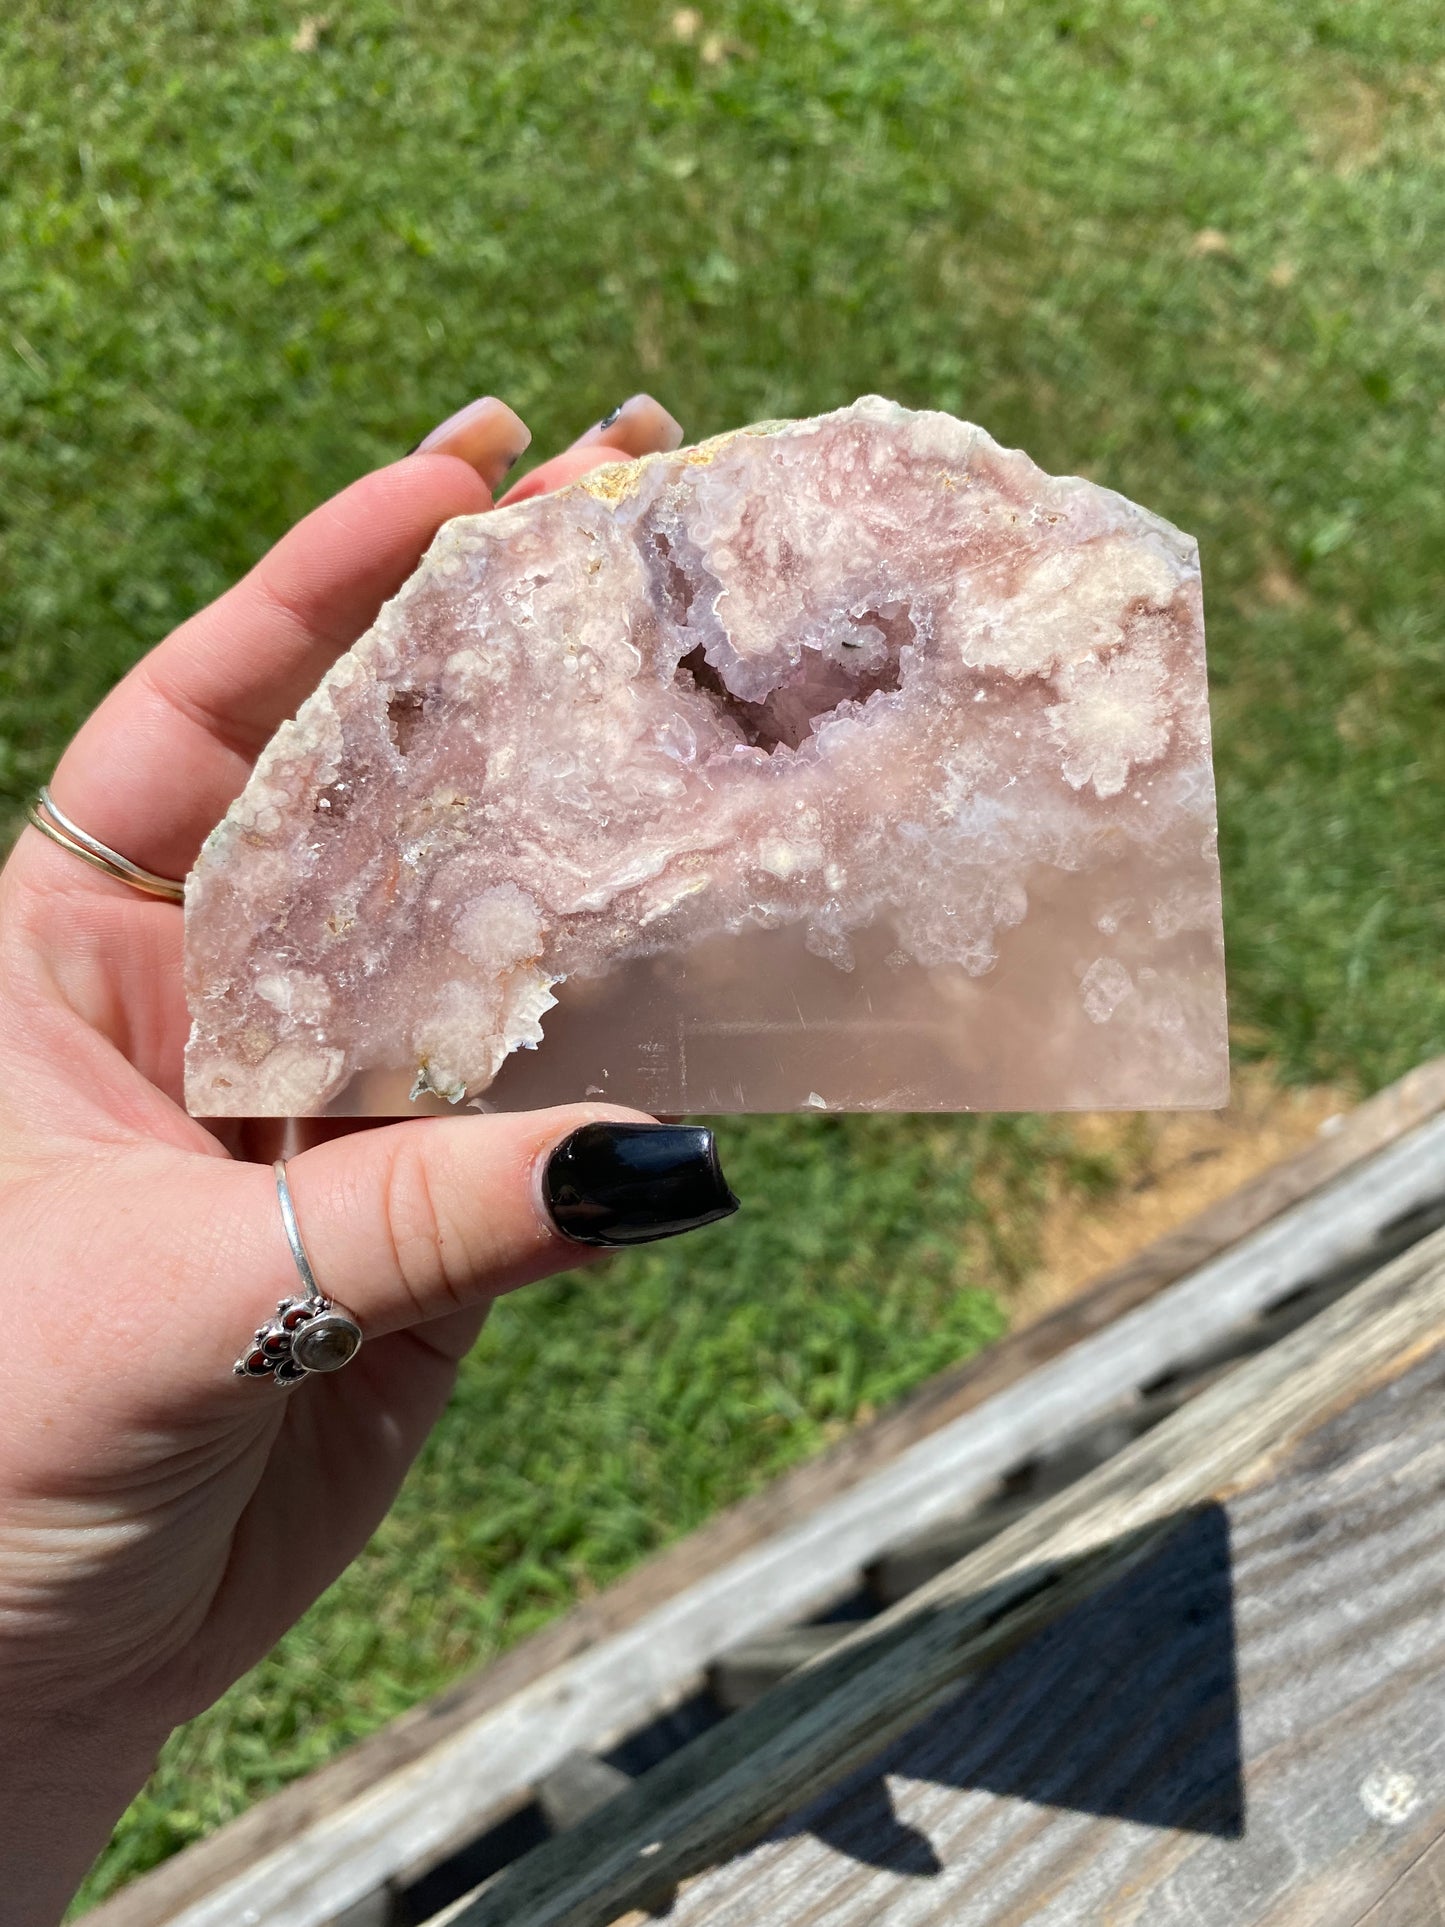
{"x": 160, "y": 1521}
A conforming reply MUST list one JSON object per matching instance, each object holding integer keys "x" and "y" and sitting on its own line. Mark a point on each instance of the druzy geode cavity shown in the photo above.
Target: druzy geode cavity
{"x": 851, "y": 763}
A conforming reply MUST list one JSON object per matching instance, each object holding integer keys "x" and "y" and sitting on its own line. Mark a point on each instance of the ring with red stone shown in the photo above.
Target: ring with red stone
{"x": 308, "y": 1334}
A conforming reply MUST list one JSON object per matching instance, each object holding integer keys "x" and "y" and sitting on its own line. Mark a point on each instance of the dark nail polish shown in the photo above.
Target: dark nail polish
{"x": 626, "y": 1184}
{"x": 608, "y": 420}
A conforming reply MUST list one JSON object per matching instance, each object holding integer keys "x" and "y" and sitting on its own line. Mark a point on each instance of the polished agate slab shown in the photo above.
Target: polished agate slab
{"x": 844, "y": 764}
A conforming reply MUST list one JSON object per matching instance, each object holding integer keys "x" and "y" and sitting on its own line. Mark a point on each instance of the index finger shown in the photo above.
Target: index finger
{"x": 162, "y": 758}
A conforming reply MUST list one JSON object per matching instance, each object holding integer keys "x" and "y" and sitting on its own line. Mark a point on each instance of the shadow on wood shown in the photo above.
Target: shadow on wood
{"x": 1325, "y": 1452}
{"x": 1126, "y": 1706}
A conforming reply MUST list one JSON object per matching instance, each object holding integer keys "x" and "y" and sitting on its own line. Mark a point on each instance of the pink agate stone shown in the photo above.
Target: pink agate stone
{"x": 851, "y": 763}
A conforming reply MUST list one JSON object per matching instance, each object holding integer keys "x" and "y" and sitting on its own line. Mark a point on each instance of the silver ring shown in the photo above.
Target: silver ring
{"x": 52, "y": 821}
{"x": 308, "y": 1334}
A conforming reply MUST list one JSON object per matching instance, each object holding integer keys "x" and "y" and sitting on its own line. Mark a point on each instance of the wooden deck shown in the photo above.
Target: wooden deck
{"x": 1095, "y": 1572}
{"x": 1206, "y": 1686}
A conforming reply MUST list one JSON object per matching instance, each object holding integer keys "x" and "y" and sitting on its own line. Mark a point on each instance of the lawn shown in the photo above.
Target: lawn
{"x": 1189, "y": 251}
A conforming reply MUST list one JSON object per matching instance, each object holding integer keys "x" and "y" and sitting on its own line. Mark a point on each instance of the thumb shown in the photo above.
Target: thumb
{"x": 417, "y": 1220}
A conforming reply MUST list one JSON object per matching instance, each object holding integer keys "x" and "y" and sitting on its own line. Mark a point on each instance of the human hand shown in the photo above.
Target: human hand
{"x": 162, "y": 1521}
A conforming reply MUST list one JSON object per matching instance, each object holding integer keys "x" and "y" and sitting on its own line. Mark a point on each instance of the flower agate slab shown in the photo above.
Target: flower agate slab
{"x": 846, "y": 764}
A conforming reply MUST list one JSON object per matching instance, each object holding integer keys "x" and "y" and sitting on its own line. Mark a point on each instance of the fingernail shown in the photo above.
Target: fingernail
{"x": 626, "y": 1184}
{"x": 485, "y": 433}
{"x": 638, "y": 426}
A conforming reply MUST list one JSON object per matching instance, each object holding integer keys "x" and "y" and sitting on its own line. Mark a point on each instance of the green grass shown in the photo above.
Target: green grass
{"x": 1191, "y": 251}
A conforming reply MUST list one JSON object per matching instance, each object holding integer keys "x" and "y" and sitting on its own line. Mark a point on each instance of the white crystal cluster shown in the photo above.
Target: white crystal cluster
{"x": 850, "y": 762}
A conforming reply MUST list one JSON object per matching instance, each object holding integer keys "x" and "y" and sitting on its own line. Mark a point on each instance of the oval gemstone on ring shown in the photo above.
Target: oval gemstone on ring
{"x": 330, "y": 1341}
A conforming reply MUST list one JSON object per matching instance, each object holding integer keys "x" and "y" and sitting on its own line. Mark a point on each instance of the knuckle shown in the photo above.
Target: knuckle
{"x": 430, "y": 1257}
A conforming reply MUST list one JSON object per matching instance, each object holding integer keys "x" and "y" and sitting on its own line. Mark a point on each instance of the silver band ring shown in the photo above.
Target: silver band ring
{"x": 308, "y": 1334}
{"x": 52, "y": 821}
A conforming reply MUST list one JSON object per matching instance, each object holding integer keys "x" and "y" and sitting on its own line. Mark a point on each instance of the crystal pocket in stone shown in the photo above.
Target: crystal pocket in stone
{"x": 842, "y": 764}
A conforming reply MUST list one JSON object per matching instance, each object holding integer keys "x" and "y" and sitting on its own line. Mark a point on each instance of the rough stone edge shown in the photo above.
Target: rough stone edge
{"x": 611, "y": 484}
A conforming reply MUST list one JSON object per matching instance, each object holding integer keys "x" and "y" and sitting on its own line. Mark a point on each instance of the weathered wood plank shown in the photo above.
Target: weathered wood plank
{"x": 746, "y": 1672}
{"x": 163, "y": 1895}
{"x": 1103, "y": 1766}
{"x": 378, "y": 1909}
{"x": 1417, "y": 1898}
{"x": 644, "y": 1667}
{"x": 576, "y": 1786}
{"x": 1251, "y": 1429}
